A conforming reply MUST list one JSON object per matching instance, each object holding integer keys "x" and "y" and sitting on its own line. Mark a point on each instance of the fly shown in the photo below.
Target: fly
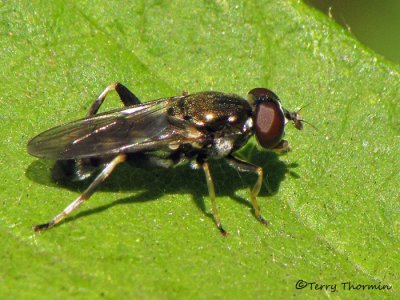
{"x": 166, "y": 132}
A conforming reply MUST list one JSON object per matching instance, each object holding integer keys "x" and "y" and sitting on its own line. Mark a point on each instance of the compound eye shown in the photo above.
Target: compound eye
{"x": 269, "y": 123}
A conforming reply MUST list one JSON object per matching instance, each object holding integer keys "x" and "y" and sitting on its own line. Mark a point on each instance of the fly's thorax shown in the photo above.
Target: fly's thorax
{"x": 229, "y": 141}
{"x": 212, "y": 111}
{"x": 222, "y": 146}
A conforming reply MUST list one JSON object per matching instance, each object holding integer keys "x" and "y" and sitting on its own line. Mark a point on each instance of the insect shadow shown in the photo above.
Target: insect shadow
{"x": 151, "y": 184}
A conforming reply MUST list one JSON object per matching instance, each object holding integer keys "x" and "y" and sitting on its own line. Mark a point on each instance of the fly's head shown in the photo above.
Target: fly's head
{"x": 269, "y": 118}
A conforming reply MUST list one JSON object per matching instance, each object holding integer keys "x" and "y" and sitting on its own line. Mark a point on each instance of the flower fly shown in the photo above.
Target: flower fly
{"x": 166, "y": 132}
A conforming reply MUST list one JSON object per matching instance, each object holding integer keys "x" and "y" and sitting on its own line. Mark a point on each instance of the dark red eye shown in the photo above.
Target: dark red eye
{"x": 269, "y": 118}
{"x": 269, "y": 124}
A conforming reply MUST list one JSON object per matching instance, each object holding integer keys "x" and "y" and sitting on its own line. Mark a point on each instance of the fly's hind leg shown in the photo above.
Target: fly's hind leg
{"x": 81, "y": 169}
{"x": 85, "y": 195}
{"x": 126, "y": 96}
{"x": 211, "y": 192}
{"x": 244, "y": 166}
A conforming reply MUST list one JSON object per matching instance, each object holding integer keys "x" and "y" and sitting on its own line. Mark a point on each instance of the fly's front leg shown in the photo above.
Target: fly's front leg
{"x": 282, "y": 147}
{"x": 211, "y": 192}
{"x": 244, "y": 166}
{"x": 126, "y": 96}
{"x": 85, "y": 195}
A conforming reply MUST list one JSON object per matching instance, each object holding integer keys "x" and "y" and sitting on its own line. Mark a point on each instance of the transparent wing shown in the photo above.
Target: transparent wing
{"x": 137, "y": 128}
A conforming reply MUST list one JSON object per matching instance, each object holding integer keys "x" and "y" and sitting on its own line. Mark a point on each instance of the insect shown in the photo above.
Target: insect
{"x": 166, "y": 132}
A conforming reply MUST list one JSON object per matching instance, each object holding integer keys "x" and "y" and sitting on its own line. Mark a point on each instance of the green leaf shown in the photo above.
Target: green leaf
{"x": 332, "y": 202}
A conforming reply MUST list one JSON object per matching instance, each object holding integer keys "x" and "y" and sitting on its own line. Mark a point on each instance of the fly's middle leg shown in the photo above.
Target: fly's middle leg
{"x": 211, "y": 192}
{"x": 126, "y": 96}
{"x": 85, "y": 195}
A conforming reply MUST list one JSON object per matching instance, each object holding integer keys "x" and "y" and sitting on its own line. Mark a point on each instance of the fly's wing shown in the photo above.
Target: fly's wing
{"x": 137, "y": 128}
